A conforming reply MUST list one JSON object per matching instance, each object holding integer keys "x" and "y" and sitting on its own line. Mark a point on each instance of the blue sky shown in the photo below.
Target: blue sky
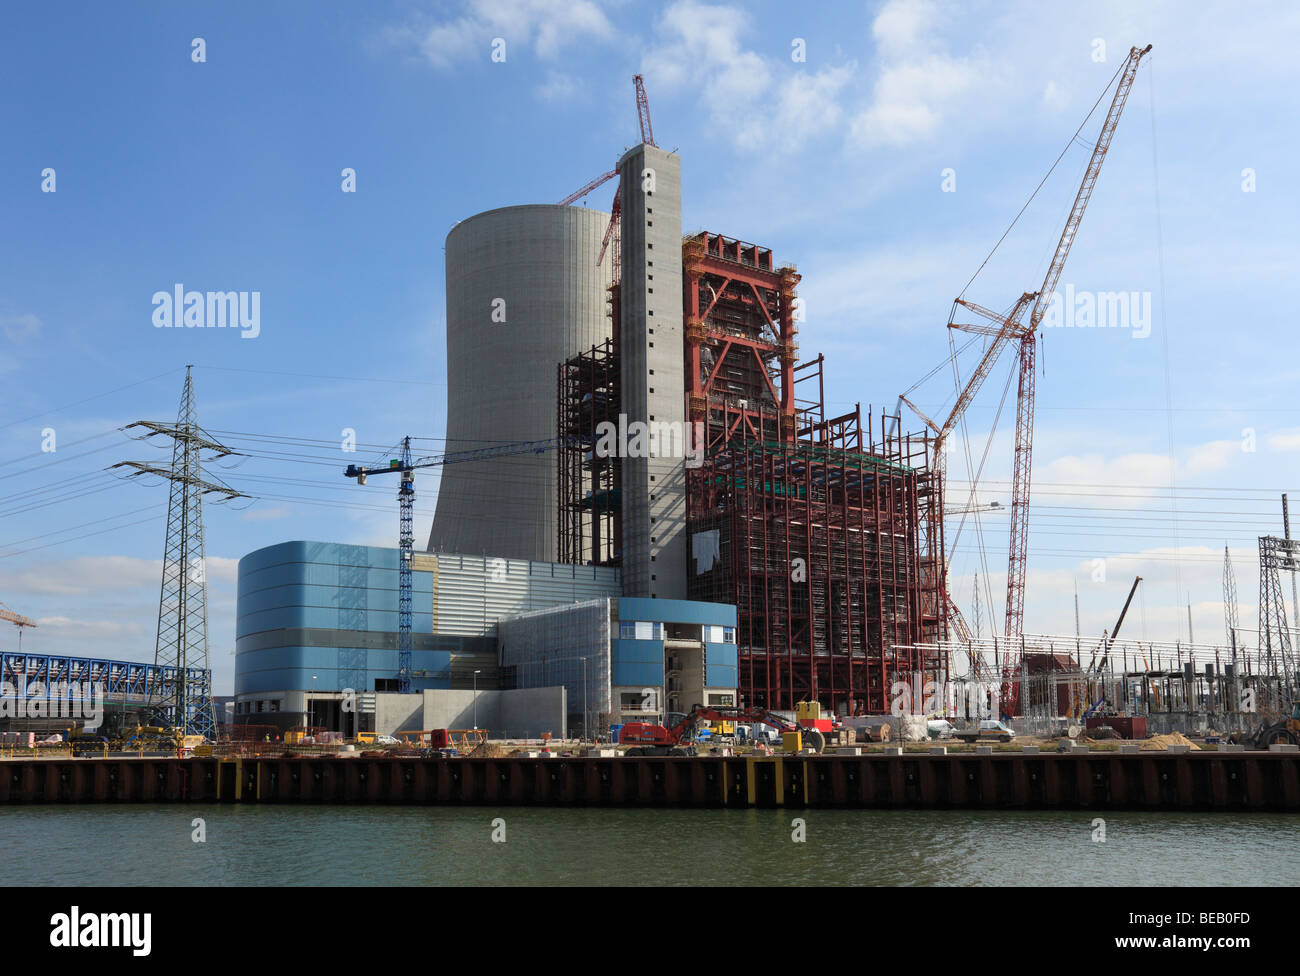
{"x": 1150, "y": 454}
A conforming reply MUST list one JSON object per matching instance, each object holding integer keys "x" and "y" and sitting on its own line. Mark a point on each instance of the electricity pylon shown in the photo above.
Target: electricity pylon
{"x": 182, "y": 643}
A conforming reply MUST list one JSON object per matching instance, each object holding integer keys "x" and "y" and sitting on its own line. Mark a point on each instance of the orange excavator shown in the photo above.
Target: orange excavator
{"x": 649, "y": 739}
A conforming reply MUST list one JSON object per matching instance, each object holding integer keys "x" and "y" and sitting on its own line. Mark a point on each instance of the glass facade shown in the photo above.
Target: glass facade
{"x": 323, "y": 616}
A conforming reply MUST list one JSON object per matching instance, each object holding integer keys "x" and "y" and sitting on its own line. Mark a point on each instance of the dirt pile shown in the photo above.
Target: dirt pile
{"x": 1165, "y": 741}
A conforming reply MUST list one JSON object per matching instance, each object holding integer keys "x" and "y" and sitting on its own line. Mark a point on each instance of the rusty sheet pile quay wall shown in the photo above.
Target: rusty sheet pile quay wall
{"x": 1239, "y": 781}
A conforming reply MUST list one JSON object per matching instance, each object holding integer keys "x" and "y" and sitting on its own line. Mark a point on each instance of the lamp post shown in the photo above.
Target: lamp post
{"x": 476, "y": 700}
{"x": 586, "y": 715}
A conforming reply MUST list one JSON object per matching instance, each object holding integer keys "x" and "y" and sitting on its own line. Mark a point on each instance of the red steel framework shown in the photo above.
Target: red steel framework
{"x": 828, "y": 543}
{"x": 827, "y": 535}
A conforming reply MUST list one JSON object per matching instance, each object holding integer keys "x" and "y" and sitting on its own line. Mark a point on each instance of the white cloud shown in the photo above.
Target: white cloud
{"x": 1054, "y": 97}
{"x": 547, "y": 27}
{"x": 559, "y": 88}
{"x": 55, "y": 627}
{"x": 19, "y": 327}
{"x": 763, "y": 107}
{"x": 83, "y": 575}
{"x": 1284, "y": 440}
{"x": 265, "y": 514}
{"x": 920, "y": 86}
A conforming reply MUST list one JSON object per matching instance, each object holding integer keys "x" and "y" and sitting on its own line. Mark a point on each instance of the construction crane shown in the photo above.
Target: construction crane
{"x": 643, "y": 112}
{"x": 1108, "y": 641}
{"x": 583, "y": 191}
{"x": 616, "y": 208}
{"x": 406, "y": 466}
{"x": 1011, "y": 328}
{"x": 18, "y": 620}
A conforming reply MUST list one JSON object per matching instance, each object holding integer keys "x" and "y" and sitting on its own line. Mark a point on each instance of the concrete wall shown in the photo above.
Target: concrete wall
{"x": 501, "y": 376}
{"x": 653, "y": 384}
{"x": 522, "y": 713}
{"x": 397, "y": 713}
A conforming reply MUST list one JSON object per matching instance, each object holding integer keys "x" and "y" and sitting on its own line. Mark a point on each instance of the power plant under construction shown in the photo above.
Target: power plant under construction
{"x": 649, "y": 522}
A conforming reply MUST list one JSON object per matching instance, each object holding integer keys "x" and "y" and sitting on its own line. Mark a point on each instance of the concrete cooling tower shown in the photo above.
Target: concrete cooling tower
{"x": 523, "y": 294}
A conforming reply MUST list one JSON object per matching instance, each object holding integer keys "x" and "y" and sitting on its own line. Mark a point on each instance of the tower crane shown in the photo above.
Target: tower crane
{"x": 616, "y": 209}
{"x": 406, "y": 466}
{"x": 1009, "y": 328}
{"x": 18, "y": 620}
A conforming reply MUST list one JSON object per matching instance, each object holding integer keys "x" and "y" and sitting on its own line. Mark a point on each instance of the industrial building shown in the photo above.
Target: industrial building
{"x": 689, "y": 526}
{"x": 317, "y": 631}
{"x": 824, "y": 532}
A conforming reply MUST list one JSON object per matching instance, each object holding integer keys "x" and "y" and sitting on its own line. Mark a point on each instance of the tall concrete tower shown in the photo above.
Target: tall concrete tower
{"x": 523, "y": 294}
{"x": 650, "y": 347}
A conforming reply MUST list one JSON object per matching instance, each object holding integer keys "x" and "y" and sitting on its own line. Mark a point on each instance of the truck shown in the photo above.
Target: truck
{"x": 650, "y": 739}
{"x": 989, "y": 730}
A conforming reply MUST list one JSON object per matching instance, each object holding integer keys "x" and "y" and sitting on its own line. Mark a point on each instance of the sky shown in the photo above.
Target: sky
{"x": 882, "y": 147}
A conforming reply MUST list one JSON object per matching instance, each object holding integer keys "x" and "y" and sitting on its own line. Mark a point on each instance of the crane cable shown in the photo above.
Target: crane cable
{"x": 1045, "y": 178}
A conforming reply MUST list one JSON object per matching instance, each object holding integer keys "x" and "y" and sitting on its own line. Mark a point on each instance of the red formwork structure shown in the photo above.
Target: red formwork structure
{"x": 828, "y": 544}
{"x": 827, "y": 535}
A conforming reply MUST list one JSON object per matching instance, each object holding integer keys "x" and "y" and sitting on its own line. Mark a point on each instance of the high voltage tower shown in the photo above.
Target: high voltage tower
{"x": 1276, "y": 554}
{"x": 1230, "y": 601}
{"x": 182, "y": 641}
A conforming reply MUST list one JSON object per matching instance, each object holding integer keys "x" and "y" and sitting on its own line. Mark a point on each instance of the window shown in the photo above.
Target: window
{"x": 260, "y": 704}
{"x": 729, "y": 635}
{"x": 723, "y": 700}
{"x": 627, "y": 629}
{"x": 274, "y": 705}
{"x": 658, "y": 629}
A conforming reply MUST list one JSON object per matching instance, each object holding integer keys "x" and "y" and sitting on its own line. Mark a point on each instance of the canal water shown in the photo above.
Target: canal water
{"x": 338, "y": 845}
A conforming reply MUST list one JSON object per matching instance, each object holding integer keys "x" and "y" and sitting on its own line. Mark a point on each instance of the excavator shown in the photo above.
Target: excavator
{"x": 1283, "y": 732}
{"x": 649, "y": 739}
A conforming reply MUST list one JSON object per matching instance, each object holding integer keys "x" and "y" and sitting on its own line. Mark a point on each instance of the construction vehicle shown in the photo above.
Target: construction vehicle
{"x": 990, "y": 730}
{"x": 157, "y": 738}
{"x": 1283, "y": 732}
{"x": 649, "y": 739}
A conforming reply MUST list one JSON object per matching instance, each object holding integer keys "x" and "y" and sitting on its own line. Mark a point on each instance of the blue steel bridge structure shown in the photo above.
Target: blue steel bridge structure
{"x": 125, "y": 685}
